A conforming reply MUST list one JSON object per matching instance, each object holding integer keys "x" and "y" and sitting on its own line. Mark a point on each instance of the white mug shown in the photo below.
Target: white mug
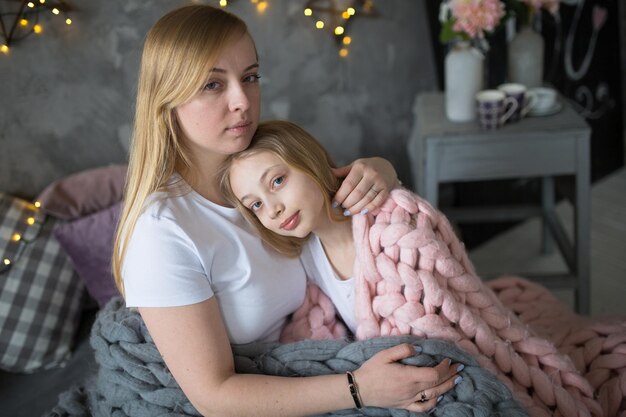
{"x": 526, "y": 100}
{"x": 494, "y": 108}
{"x": 545, "y": 98}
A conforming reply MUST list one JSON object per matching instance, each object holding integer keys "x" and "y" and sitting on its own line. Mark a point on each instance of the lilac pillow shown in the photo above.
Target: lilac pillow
{"x": 83, "y": 193}
{"x": 88, "y": 242}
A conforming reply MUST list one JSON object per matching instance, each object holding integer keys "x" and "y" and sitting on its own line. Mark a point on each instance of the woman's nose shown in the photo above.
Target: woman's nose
{"x": 238, "y": 99}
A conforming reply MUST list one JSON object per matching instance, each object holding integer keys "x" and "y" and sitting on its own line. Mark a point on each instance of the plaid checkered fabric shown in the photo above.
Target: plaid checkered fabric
{"x": 40, "y": 293}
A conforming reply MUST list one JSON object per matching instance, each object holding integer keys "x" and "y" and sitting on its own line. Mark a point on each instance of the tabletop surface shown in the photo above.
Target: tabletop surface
{"x": 433, "y": 121}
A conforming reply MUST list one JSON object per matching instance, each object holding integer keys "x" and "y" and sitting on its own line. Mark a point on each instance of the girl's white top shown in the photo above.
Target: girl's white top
{"x": 319, "y": 270}
{"x": 186, "y": 249}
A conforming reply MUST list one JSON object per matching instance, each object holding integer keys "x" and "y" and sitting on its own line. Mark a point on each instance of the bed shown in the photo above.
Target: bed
{"x": 56, "y": 283}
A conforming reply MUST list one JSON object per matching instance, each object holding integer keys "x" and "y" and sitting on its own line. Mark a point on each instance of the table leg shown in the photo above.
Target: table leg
{"x": 431, "y": 179}
{"x": 582, "y": 232}
{"x": 547, "y": 204}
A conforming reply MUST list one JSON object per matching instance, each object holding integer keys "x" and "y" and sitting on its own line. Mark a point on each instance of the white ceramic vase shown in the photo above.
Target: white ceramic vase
{"x": 463, "y": 79}
{"x": 525, "y": 58}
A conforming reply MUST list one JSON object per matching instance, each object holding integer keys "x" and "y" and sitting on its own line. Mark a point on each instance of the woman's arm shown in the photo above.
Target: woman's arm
{"x": 195, "y": 346}
{"x": 367, "y": 184}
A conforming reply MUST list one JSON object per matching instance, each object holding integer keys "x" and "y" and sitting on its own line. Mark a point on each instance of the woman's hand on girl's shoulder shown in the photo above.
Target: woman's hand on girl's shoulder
{"x": 366, "y": 185}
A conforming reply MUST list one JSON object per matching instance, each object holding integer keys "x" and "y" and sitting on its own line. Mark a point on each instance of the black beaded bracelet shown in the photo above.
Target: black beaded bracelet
{"x": 354, "y": 390}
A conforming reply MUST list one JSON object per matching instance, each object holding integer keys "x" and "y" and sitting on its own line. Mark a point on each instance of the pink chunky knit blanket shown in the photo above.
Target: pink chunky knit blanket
{"x": 413, "y": 276}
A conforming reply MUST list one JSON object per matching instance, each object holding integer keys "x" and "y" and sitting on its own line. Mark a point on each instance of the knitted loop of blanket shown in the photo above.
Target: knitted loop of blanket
{"x": 413, "y": 276}
{"x": 597, "y": 346}
{"x": 133, "y": 380}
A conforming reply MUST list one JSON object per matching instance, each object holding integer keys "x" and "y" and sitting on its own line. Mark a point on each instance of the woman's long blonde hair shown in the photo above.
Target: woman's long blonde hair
{"x": 301, "y": 151}
{"x": 178, "y": 55}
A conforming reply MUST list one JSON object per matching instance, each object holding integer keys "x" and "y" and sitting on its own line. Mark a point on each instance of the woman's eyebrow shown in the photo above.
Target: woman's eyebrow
{"x": 248, "y": 68}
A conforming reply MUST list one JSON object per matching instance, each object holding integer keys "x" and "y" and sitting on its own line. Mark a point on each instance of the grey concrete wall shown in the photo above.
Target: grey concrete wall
{"x": 66, "y": 97}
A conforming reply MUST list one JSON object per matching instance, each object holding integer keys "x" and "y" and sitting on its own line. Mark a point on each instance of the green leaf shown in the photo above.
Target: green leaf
{"x": 447, "y": 33}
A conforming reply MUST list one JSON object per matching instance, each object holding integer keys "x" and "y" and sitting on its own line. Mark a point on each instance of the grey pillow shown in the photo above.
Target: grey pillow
{"x": 40, "y": 293}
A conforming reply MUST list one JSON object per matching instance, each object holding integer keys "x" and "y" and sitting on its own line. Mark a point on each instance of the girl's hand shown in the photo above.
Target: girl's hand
{"x": 384, "y": 382}
{"x": 366, "y": 185}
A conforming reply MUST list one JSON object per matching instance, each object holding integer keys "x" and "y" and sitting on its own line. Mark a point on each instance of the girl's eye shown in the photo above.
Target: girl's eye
{"x": 252, "y": 78}
{"x": 278, "y": 181}
{"x": 214, "y": 85}
{"x": 255, "y": 206}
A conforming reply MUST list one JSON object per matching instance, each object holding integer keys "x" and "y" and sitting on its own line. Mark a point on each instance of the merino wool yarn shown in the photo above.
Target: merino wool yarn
{"x": 596, "y": 345}
{"x": 413, "y": 277}
{"x": 132, "y": 379}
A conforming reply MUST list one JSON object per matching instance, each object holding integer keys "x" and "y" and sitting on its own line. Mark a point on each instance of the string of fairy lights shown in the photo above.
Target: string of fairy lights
{"x": 26, "y": 231}
{"x": 26, "y": 18}
{"x": 332, "y": 15}
{"x": 329, "y": 14}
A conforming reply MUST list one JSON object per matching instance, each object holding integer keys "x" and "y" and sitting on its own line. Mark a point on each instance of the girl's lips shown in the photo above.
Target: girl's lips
{"x": 291, "y": 223}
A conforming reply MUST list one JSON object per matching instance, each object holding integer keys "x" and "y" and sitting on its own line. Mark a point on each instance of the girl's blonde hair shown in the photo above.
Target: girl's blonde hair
{"x": 178, "y": 55}
{"x": 301, "y": 151}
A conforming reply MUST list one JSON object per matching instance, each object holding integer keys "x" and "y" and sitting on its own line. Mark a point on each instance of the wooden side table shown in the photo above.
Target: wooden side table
{"x": 442, "y": 151}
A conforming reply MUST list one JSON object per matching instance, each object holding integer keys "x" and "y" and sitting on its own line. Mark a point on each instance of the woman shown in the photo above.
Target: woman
{"x": 197, "y": 272}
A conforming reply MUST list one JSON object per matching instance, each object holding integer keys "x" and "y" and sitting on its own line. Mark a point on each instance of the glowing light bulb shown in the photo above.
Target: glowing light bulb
{"x": 4, "y": 49}
{"x": 37, "y": 204}
{"x": 31, "y": 4}
{"x": 223, "y": 3}
{"x": 262, "y": 6}
{"x": 37, "y": 28}
{"x": 42, "y": 1}
{"x": 351, "y": 11}
{"x": 68, "y": 21}
{"x": 343, "y": 52}
{"x": 16, "y": 237}
{"x": 347, "y": 40}
{"x": 339, "y": 30}
{"x": 30, "y": 221}
{"x": 23, "y": 22}
{"x": 319, "y": 24}
{"x": 55, "y": 11}
{"x": 345, "y": 15}
{"x": 7, "y": 261}
{"x": 308, "y": 12}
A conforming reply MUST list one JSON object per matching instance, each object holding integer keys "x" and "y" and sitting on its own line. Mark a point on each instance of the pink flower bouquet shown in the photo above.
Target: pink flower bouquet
{"x": 469, "y": 19}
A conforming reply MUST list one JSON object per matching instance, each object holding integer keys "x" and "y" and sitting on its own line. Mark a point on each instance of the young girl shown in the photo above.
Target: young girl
{"x": 283, "y": 184}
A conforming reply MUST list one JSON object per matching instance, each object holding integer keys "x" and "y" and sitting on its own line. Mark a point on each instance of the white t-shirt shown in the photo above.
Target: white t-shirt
{"x": 319, "y": 270}
{"x": 185, "y": 249}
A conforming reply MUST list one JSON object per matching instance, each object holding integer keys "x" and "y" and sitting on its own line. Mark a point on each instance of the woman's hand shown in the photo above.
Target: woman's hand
{"x": 385, "y": 382}
{"x": 366, "y": 185}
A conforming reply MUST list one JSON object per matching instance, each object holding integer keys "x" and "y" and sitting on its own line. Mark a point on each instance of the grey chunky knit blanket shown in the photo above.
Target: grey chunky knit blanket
{"x": 132, "y": 379}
